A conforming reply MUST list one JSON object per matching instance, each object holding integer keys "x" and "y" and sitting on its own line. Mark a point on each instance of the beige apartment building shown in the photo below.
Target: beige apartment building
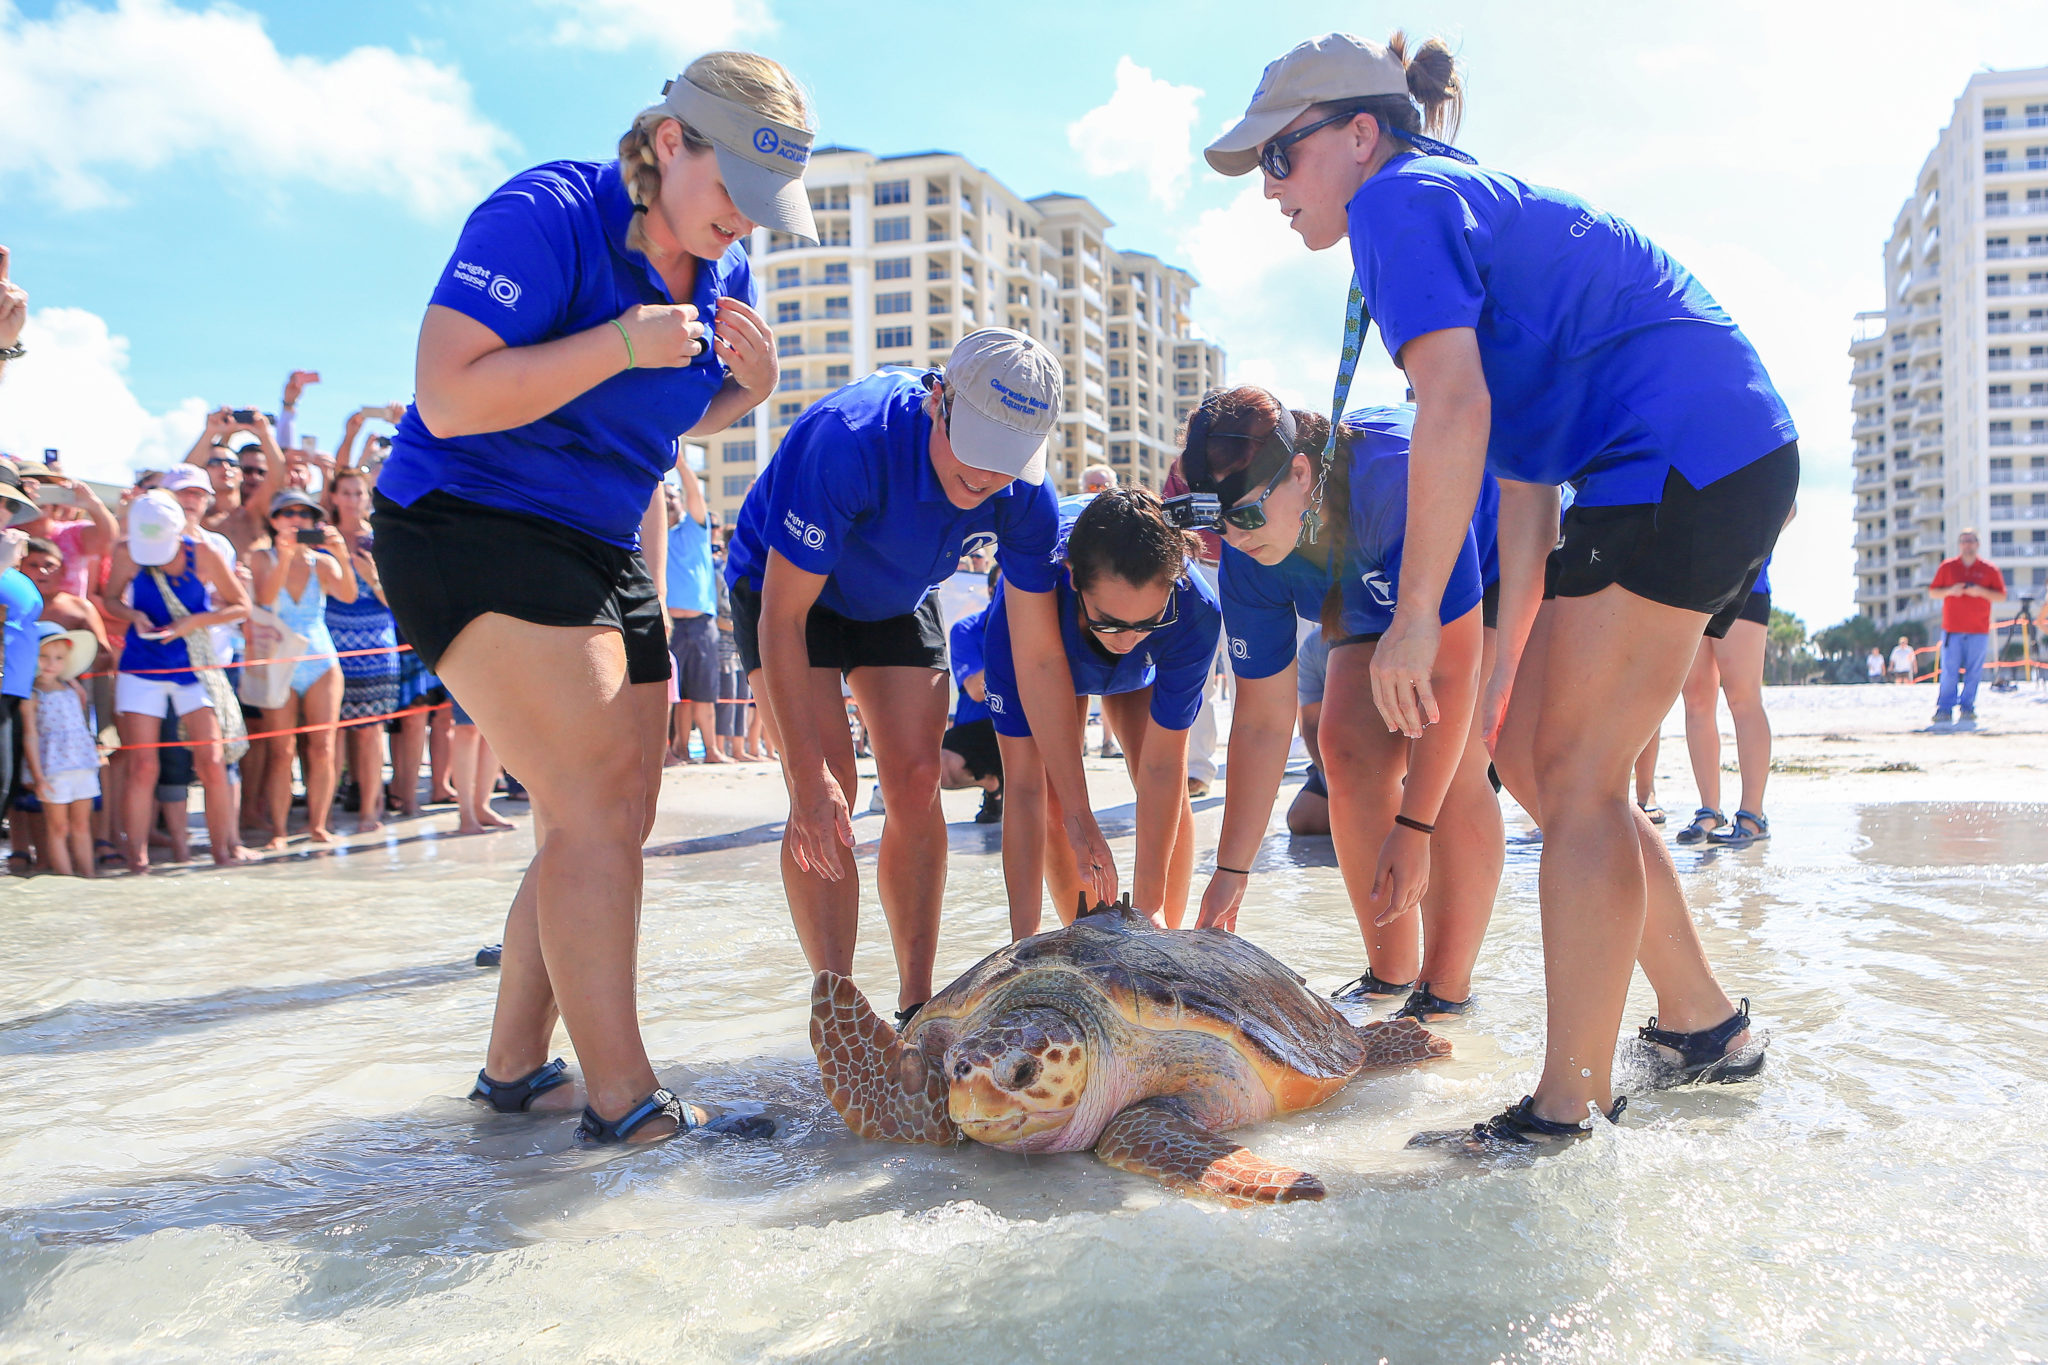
{"x": 1951, "y": 376}
{"x": 918, "y": 250}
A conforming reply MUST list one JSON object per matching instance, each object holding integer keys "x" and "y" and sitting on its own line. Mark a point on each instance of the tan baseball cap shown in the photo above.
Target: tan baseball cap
{"x": 1336, "y": 66}
{"x": 760, "y": 159}
{"x": 1006, "y": 397}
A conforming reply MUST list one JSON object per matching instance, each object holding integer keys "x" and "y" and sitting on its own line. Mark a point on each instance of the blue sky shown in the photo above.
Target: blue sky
{"x": 200, "y": 196}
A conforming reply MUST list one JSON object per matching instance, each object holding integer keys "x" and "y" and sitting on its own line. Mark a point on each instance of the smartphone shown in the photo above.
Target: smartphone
{"x": 309, "y": 443}
{"x": 49, "y": 454}
{"x": 243, "y": 415}
{"x": 55, "y": 495}
{"x": 312, "y": 537}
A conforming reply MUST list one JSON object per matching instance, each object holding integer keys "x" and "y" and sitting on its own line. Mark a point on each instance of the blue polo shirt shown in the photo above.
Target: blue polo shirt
{"x": 850, "y": 493}
{"x": 1607, "y": 361}
{"x": 1379, "y": 526}
{"x": 545, "y": 257}
{"x": 1262, "y": 602}
{"x": 965, "y": 651}
{"x": 691, "y": 585}
{"x": 20, "y": 642}
{"x": 1174, "y": 662}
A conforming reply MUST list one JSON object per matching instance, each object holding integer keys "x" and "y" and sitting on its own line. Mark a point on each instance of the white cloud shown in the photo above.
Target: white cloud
{"x": 71, "y": 392}
{"x": 1277, "y": 307}
{"x": 681, "y": 29}
{"x": 94, "y": 94}
{"x": 1144, "y": 128}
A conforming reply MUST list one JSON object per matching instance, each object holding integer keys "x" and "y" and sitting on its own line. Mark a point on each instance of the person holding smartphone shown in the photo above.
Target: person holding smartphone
{"x": 74, "y": 520}
{"x": 301, "y": 572}
{"x": 1549, "y": 342}
{"x": 592, "y": 314}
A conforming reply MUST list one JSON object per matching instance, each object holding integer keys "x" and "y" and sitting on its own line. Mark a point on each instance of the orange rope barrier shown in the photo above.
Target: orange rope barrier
{"x": 295, "y": 730}
{"x": 245, "y": 663}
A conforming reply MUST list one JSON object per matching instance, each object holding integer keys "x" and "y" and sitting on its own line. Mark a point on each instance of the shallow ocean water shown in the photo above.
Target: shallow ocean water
{"x": 234, "y": 1133}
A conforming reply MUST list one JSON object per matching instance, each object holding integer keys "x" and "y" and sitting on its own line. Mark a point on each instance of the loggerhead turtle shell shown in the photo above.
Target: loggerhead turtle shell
{"x": 1204, "y": 981}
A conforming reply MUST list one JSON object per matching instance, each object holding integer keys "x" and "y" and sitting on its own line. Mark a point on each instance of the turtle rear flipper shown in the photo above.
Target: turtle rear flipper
{"x": 1159, "y": 1139}
{"x": 1400, "y": 1042}
{"x": 883, "y": 1089}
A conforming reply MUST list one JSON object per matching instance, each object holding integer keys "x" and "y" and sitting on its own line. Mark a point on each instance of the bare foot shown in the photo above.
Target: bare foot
{"x": 368, "y": 826}
{"x": 136, "y": 869}
{"x": 716, "y": 756}
{"x": 320, "y": 836}
{"x": 489, "y": 820}
{"x": 277, "y": 843}
{"x": 234, "y": 857}
{"x": 441, "y": 798}
{"x": 409, "y": 812}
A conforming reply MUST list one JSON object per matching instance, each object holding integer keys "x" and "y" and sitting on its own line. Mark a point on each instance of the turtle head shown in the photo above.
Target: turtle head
{"x": 1017, "y": 1076}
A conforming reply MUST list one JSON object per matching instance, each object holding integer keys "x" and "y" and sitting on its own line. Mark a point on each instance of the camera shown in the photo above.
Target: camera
{"x": 1194, "y": 511}
{"x": 312, "y": 536}
{"x": 243, "y": 415}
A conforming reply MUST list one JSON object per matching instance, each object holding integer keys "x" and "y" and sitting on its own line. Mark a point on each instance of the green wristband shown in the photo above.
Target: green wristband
{"x": 626, "y": 337}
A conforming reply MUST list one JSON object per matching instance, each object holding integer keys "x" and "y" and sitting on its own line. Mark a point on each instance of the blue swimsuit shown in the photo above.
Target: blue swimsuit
{"x": 307, "y": 614}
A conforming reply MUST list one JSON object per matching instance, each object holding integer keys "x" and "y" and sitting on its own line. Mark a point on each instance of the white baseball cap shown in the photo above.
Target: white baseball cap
{"x": 760, "y": 159}
{"x": 156, "y": 527}
{"x": 1005, "y": 388}
{"x": 178, "y": 478}
{"x": 1332, "y": 68}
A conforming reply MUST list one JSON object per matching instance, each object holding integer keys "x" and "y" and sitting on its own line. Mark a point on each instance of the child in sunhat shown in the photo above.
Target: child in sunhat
{"x": 62, "y": 760}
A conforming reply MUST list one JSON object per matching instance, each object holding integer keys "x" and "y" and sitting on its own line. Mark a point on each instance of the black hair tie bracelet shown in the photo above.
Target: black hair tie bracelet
{"x": 1414, "y": 824}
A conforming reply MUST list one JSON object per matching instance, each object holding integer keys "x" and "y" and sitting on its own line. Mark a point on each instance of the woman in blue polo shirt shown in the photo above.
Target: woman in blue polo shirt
{"x": 867, "y": 505}
{"x": 1548, "y": 341}
{"x": 1138, "y": 628}
{"x": 593, "y": 313}
{"x": 1413, "y": 821}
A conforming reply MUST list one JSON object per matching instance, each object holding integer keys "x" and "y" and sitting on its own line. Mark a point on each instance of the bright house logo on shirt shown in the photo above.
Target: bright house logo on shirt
{"x": 1382, "y": 590}
{"x": 799, "y": 529}
{"x": 995, "y": 702}
{"x": 1239, "y": 648}
{"x": 481, "y": 278}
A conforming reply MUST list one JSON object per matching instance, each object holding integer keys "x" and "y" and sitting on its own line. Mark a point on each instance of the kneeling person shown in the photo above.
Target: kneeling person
{"x": 1139, "y": 629}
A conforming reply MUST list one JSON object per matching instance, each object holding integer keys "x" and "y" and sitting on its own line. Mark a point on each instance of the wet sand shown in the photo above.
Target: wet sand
{"x": 237, "y": 1131}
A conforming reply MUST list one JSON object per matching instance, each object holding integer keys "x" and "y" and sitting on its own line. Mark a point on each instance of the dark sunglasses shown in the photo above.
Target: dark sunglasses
{"x": 1109, "y": 625}
{"x": 306, "y": 512}
{"x": 220, "y": 460}
{"x": 1273, "y": 156}
{"x": 1251, "y": 516}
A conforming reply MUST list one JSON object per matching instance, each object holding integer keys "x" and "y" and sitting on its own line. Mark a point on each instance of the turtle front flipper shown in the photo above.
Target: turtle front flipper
{"x": 882, "y": 1088}
{"x": 1400, "y": 1042}
{"x": 1158, "y": 1138}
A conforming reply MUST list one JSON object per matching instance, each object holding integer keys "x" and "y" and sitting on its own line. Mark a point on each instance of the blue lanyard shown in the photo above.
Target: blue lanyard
{"x": 1355, "y": 323}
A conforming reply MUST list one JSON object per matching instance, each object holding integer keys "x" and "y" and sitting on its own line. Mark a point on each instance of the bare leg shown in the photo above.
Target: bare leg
{"x": 1646, "y": 773}
{"x": 1129, "y": 716}
{"x": 1466, "y": 855}
{"x": 366, "y": 757}
{"x": 321, "y": 706}
{"x": 82, "y": 860}
{"x": 223, "y": 813}
{"x": 1364, "y": 766}
{"x": 408, "y": 748}
{"x": 1740, "y": 661}
{"x": 905, "y": 713}
{"x": 704, "y": 715}
{"x": 556, "y": 701}
{"x": 1596, "y": 678}
{"x": 139, "y": 797}
{"x": 1703, "y": 724}
{"x": 55, "y": 843}
{"x": 278, "y": 771}
{"x": 440, "y": 733}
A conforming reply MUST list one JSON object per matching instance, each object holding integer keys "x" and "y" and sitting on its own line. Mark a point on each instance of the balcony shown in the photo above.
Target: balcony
{"x": 1870, "y": 537}
{"x": 1864, "y": 482}
{"x": 2032, "y": 208}
{"x": 1931, "y": 441}
{"x": 2003, "y": 326}
{"x": 1868, "y": 426}
{"x": 2007, "y": 253}
{"x": 1929, "y": 476}
{"x": 2017, "y": 400}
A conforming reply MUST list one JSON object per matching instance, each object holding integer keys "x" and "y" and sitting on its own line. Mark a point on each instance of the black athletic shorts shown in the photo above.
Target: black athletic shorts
{"x": 915, "y": 640}
{"x": 1699, "y": 549}
{"x": 446, "y": 561}
{"x": 1756, "y": 607}
{"x": 1489, "y": 606}
{"x": 975, "y": 742}
{"x": 693, "y": 644}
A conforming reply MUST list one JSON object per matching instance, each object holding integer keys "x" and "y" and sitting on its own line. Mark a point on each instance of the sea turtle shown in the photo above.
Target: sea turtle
{"x": 1142, "y": 1043}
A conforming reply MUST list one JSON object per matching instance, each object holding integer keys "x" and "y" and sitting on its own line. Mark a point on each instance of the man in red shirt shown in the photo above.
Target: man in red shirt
{"x": 1966, "y": 586}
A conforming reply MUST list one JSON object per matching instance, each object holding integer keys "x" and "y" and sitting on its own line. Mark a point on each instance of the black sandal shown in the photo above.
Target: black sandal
{"x": 1697, "y": 831}
{"x": 1656, "y": 813}
{"x": 517, "y": 1097}
{"x": 1427, "y": 1007}
{"x": 1704, "y": 1056}
{"x": 904, "y": 1016}
{"x": 1369, "y": 987}
{"x": 1518, "y": 1129}
{"x": 664, "y": 1103}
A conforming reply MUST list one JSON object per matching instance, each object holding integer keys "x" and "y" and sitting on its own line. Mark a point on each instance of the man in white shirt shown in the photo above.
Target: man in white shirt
{"x": 1902, "y": 661}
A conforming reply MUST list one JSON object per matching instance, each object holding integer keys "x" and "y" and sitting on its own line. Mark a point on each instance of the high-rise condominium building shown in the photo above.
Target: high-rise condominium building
{"x": 916, "y": 251}
{"x": 1951, "y": 376}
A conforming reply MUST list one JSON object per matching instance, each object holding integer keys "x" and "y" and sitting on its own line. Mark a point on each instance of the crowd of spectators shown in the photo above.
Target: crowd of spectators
{"x": 220, "y": 624}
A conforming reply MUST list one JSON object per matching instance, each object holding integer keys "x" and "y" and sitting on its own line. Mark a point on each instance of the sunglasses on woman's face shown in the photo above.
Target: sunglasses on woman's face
{"x": 297, "y": 514}
{"x": 1273, "y": 156}
{"x": 1109, "y": 625}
